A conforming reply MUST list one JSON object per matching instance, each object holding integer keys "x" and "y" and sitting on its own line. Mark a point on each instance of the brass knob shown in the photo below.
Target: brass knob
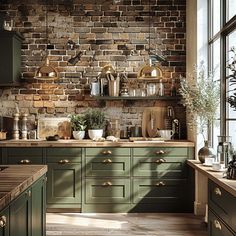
{"x": 107, "y": 152}
{"x": 65, "y": 161}
{"x": 25, "y": 161}
{"x": 28, "y": 193}
{"x": 3, "y": 221}
{"x": 160, "y": 152}
{"x": 107, "y": 161}
{"x": 108, "y": 183}
{"x": 159, "y": 161}
{"x": 217, "y": 224}
{"x": 217, "y": 191}
{"x": 160, "y": 184}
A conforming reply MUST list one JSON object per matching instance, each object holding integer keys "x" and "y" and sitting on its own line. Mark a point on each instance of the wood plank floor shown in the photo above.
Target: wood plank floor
{"x": 131, "y": 224}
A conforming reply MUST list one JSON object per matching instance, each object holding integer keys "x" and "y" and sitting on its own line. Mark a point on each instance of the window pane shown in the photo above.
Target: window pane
{"x": 231, "y": 127}
{"x": 215, "y": 21}
{"x": 231, "y": 89}
{"x": 216, "y": 133}
{"x": 216, "y": 59}
{"x": 231, "y": 9}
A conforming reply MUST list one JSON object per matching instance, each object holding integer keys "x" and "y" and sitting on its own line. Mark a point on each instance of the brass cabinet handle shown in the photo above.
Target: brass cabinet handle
{"x": 217, "y": 191}
{"x": 160, "y": 184}
{"x": 160, "y": 152}
{"x": 25, "y": 161}
{"x": 107, "y": 161}
{"x": 108, "y": 183}
{"x": 159, "y": 161}
{"x": 28, "y": 193}
{"x": 107, "y": 152}
{"x": 3, "y": 221}
{"x": 65, "y": 161}
{"x": 217, "y": 224}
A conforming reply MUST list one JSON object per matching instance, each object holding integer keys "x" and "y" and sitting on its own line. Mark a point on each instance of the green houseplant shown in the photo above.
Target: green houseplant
{"x": 201, "y": 96}
{"x": 95, "y": 122}
{"x": 78, "y": 125}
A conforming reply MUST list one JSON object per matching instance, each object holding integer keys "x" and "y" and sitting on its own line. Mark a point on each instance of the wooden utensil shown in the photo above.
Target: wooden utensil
{"x": 152, "y": 125}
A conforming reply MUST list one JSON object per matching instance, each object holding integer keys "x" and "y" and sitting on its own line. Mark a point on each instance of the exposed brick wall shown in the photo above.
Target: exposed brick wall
{"x": 106, "y": 33}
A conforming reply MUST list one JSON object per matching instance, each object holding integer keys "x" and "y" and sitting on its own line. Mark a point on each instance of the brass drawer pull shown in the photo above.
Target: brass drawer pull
{"x": 108, "y": 183}
{"x": 160, "y": 184}
{"x": 217, "y": 191}
{"x": 107, "y": 161}
{"x": 159, "y": 161}
{"x": 3, "y": 221}
{"x": 217, "y": 224}
{"x": 160, "y": 152}
{"x": 25, "y": 161}
{"x": 107, "y": 152}
{"x": 65, "y": 161}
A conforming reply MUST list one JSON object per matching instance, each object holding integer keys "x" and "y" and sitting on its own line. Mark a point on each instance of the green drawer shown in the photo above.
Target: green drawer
{"x": 160, "y": 167}
{"x": 58, "y": 155}
{"x": 107, "y": 166}
{"x": 23, "y": 155}
{"x": 161, "y": 151}
{"x": 216, "y": 227}
{"x": 107, "y": 151}
{"x": 107, "y": 190}
{"x": 222, "y": 203}
{"x": 158, "y": 191}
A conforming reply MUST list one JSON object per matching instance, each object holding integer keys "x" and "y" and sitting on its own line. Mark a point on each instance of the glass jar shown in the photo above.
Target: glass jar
{"x": 151, "y": 89}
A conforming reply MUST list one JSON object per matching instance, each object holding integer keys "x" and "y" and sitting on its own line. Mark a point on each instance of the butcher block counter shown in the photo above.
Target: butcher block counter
{"x": 14, "y": 179}
{"x": 90, "y": 143}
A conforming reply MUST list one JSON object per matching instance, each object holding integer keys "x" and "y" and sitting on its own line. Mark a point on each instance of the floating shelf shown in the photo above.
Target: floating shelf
{"x": 166, "y": 98}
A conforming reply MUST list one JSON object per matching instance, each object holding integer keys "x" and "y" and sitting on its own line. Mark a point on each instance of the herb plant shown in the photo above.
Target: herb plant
{"x": 78, "y": 122}
{"x": 95, "y": 119}
{"x": 201, "y": 96}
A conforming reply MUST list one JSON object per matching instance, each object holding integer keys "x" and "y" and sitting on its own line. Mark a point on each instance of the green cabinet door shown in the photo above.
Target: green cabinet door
{"x": 39, "y": 207}
{"x": 4, "y": 222}
{"x": 20, "y": 215}
{"x": 64, "y": 183}
{"x": 216, "y": 227}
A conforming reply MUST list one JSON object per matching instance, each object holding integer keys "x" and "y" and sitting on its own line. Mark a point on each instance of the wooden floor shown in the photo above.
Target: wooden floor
{"x": 132, "y": 224}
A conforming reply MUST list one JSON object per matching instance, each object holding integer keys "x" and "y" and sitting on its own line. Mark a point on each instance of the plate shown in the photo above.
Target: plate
{"x": 208, "y": 165}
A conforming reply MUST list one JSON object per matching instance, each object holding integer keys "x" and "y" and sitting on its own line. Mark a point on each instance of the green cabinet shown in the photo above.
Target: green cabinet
{"x": 20, "y": 212}
{"x": 10, "y": 57}
{"x": 64, "y": 178}
{"x": 161, "y": 181}
{"x": 4, "y": 222}
{"x": 222, "y": 208}
{"x": 27, "y": 211}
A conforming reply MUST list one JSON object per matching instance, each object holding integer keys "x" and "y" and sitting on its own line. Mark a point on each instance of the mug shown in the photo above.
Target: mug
{"x": 166, "y": 133}
{"x": 209, "y": 161}
{"x": 217, "y": 166}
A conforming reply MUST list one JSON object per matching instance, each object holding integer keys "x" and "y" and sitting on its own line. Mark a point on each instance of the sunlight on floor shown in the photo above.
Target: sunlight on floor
{"x": 88, "y": 220}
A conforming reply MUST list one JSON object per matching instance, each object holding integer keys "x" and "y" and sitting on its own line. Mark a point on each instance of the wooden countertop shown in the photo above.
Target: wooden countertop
{"x": 15, "y": 179}
{"x": 217, "y": 177}
{"x": 90, "y": 143}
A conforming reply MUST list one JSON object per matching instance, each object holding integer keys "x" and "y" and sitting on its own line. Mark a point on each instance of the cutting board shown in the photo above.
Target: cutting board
{"x": 149, "y": 127}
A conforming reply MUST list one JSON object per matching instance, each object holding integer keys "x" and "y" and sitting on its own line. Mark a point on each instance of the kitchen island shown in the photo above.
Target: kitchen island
{"x": 22, "y": 200}
{"x": 123, "y": 176}
{"x": 221, "y": 201}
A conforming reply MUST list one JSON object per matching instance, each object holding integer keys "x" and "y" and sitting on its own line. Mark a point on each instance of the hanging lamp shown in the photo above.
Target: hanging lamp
{"x": 46, "y": 71}
{"x": 149, "y": 71}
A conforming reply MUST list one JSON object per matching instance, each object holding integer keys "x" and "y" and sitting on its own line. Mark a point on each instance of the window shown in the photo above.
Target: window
{"x": 222, "y": 36}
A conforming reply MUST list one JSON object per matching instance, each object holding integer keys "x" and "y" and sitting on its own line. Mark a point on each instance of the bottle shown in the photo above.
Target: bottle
{"x": 169, "y": 117}
{"x": 161, "y": 88}
{"x": 176, "y": 128}
{"x": 173, "y": 89}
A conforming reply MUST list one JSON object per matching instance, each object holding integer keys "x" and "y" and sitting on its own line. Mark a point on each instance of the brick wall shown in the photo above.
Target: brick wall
{"x": 105, "y": 32}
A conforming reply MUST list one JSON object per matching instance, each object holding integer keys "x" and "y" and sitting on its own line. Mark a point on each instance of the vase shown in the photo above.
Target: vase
{"x": 95, "y": 133}
{"x": 206, "y": 152}
{"x": 78, "y": 134}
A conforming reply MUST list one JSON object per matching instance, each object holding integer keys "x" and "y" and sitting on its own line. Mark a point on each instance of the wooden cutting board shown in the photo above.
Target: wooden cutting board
{"x": 148, "y": 128}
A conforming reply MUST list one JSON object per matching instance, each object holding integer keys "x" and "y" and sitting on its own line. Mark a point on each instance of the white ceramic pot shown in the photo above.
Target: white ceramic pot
{"x": 95, "y": 133}
{"x": 78, "y": 134}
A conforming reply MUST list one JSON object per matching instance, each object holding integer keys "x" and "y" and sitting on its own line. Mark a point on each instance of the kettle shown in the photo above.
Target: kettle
{"x": 231, "y": 170}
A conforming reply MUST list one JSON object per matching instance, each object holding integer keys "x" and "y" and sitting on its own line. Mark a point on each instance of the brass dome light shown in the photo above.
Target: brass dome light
{"x": 46, "y": 71}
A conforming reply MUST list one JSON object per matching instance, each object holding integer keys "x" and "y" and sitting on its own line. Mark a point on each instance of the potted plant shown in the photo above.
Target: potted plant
{"x": 201, "y": 96}
{"x": 78, "y": 125}
{"x": 95, "y": 122}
